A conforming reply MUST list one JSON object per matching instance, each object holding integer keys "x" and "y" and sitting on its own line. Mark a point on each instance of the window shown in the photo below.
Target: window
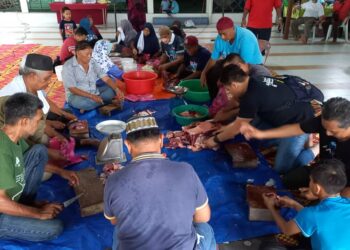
{"x": 10, "y": 5}
{"x": 230, "y": 6}
{"x": 186, "y": 6}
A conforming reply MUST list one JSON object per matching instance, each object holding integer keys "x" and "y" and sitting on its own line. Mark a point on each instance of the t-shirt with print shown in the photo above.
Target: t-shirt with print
{"x": 327, "y": 223}
{"x": 330, "y": 147}
{"x": 245, "y": 44}
{"x": 67, "y": 28}
{"x": 153, "y": 200}
{"x": 67, "y": 49}
{"x": 198, "y": 61}
{"x": 12, "y": 166}
{"x": 260, "y": 12}
{"x": 273, "y": 102}
{"x": 174, "y": 49}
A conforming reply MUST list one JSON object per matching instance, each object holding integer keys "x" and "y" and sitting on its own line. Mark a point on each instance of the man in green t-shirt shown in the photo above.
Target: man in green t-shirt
{"x": 21, "y": 171}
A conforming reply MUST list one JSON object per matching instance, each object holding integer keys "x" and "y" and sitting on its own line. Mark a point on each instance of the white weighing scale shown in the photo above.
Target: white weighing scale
{"x": 111, "y": 147}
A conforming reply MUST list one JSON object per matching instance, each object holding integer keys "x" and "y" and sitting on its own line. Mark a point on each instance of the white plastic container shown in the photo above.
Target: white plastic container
{"x": 58, "y": 70}
{"x": 70, "y": 1}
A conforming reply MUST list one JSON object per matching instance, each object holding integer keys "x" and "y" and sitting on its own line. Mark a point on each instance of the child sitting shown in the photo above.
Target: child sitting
{"x": 67, "y": 25}
{"x": 68, "y": 47}
{"x": 327, "y": 222}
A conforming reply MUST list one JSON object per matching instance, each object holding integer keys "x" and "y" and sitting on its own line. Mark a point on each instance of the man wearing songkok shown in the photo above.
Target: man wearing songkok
{"x": 156, "y": 203}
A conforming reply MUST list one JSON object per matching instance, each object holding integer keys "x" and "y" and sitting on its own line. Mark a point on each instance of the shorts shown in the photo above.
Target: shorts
{"x": 262, "y": 34}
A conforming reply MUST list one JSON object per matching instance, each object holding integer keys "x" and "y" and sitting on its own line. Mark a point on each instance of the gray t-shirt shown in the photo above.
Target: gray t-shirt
{"x": 74, "y": 75}
{"x": 154, "y": 200}
{"x": 256, "y": 70}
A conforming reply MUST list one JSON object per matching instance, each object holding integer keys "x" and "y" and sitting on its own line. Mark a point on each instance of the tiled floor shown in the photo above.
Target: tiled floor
{"x": 326, "y": 65}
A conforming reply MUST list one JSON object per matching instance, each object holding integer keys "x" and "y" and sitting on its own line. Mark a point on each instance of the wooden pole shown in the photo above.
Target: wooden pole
{"x": 288, "y": 18}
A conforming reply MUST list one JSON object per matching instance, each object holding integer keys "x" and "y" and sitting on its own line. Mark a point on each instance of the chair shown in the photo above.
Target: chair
{"x": 344, "y": 25}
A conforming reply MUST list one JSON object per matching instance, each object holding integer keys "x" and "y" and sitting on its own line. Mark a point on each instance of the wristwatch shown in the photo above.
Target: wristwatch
{"x": 216, "y": 139}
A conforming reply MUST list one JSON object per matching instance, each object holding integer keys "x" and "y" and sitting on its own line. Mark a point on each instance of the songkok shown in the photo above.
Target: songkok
{"x": 39, "y": 62}
{"x": 138, "y": 123}
{"x": 224, "y": 23}
{"x": 191, "y": 41}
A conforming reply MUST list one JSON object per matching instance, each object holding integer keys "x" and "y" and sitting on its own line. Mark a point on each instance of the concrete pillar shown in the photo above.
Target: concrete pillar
{"x": 209, "y": 9}
{"x": 150, "y": 6}
{"x": 24, "y": 6}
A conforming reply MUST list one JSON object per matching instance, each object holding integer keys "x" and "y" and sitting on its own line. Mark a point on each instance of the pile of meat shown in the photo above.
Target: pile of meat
{"x": 109, "y": 169}
{"x": 191, "y": 114}
{"x": 192, "y": 136}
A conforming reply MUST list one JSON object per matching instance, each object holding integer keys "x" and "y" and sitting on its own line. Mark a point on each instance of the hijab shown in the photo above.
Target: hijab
{"x": 150, "y": 42}
{"x": 129, "y": 32}
{"x": 85, "y": 23}
{"x": 100, "y": 54}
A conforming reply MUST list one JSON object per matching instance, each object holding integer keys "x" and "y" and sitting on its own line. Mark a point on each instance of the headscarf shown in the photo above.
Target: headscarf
{"x": 129, "y": 32}
{"x": 85, "y": 23}
{"x": 150, "y": 42}
{"x": 100, "y": 54}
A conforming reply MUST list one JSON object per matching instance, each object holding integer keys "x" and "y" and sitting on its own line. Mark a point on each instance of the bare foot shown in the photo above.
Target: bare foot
{"x": 303, "y": 40}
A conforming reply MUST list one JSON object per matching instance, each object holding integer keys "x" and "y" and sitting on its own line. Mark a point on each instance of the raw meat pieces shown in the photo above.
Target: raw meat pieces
{"x": 192, "y": 136}
{"x": 108, "y": 169}
{"x": 191, "y": 114}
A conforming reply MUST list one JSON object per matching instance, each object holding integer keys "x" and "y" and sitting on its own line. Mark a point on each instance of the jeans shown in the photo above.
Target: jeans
{"x": 205, "y": 237}
{"x": 21, "y": 228}
{"x": 84, "y": 103}
{"x": 291, "y": 151}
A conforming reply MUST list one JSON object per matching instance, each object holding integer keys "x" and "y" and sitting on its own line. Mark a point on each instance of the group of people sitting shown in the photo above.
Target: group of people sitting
{"x": 154, "y": 202}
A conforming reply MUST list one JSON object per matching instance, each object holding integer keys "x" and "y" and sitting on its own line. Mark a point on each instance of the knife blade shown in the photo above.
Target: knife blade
{"x": 72, "y": 200}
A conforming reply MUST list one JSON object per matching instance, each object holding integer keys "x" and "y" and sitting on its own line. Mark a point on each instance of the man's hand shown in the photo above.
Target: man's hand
{"x": 203, "y": 80}
{"x": 96, "y": 98}
{"x": 56, "y": 124}
{"x": 285, "y": 201}
{"x": 70, "y": 176}
{"x": 280, "y": 23}
{"x": 210, "y": 143}
{"x": 270, "y": 200}
{"x": 51, "y": 132}
{"x": 69, "y": 116}
{"x": 244, "y": 22}
{"x": 307, "y": 194}
{"x": 49, "y": 211}
{"x": 250, "y": 132}
{"x": 120, "y": 95}
{"x": 134, "y": 52}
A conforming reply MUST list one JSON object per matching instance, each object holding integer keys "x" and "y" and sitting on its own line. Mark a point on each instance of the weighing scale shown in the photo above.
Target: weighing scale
{"x": 111, "y": 147}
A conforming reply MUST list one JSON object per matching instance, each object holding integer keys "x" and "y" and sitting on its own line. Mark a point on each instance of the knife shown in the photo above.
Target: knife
{"x": 72, "y": 200}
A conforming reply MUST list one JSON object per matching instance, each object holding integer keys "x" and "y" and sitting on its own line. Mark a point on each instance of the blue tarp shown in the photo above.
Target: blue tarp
{"x": 225, "y": 186}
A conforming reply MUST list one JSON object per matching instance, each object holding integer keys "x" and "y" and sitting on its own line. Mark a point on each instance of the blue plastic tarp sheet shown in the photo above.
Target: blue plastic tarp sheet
{"x": 225, "y": 186}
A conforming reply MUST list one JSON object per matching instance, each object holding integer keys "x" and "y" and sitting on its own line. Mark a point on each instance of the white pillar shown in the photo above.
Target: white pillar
{"x": 150, "y": 6}
{"x": 209, "y": 9}
{"x": 24, "y": 6}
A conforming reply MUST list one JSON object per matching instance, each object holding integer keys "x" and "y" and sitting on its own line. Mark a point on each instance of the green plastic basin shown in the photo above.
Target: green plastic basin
{"x": 196, "y": 93}
{"x": 184, "y": 121}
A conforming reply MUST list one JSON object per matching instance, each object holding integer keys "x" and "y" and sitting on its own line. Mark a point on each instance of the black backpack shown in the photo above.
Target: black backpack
{"x": 304, "y": 91}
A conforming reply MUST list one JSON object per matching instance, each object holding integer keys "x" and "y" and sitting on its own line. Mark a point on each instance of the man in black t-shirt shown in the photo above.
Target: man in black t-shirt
{"x": 274, "y": 104}
{"x": 195, "y": 59}
{"x": 334, "y": 129}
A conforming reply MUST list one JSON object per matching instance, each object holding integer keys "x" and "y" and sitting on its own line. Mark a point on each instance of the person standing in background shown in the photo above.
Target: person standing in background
{"x": 67, "y": 25}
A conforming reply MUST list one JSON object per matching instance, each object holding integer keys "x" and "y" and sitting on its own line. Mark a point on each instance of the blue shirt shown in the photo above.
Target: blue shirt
{"x": 327, "y": 224}
{"x": 153, "y": 200}
{"x": 175, "y": 8}
{"x": 198, "y": 61}
{"x": 245, "y": 44}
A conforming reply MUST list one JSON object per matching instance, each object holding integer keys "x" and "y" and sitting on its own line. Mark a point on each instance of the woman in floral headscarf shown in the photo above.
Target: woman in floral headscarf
{"x": 100, "y": 55}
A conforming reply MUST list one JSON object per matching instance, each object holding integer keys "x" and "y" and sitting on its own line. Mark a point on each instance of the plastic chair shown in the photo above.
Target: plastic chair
{"x": 344, "y": 25}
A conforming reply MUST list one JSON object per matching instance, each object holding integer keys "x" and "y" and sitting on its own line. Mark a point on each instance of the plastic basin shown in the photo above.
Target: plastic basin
{"x": 139, "y": 82}
{"x": 196, "y": 93}
{"x": 184, "y": 121}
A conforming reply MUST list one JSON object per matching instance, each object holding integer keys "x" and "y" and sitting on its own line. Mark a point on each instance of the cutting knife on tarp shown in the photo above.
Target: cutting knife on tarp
{"x": 72, "y": 200}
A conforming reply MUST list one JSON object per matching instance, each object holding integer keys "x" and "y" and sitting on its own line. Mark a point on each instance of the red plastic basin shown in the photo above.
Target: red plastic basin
{"x": 139, "y": 82}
